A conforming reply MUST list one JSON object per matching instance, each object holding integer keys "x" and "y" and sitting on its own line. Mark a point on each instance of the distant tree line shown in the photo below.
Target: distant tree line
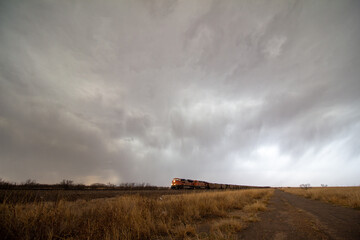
{"x": 307, "y": 185}
{"x": 67, "y": 184}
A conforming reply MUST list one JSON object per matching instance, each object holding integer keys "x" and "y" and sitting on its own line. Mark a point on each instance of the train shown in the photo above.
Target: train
{"x": 181, "y": 183}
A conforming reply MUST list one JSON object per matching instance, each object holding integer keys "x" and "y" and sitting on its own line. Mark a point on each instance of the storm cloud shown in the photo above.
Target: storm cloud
{"x": 243, "y": 92}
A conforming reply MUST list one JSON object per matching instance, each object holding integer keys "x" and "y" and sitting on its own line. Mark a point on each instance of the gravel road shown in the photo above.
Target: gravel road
{"x": 293, "y": 217}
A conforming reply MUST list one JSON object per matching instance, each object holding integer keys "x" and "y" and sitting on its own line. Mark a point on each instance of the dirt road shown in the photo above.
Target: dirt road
{"x": 293, "y": 217}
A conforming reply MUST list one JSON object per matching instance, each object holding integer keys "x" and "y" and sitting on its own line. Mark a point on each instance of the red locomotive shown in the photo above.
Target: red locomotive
{"x": 181, "y": 183}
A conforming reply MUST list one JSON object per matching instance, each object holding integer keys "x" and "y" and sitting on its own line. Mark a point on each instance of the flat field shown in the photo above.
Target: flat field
{"x": 156, "y": 214}
{"x": 343, "y": 196}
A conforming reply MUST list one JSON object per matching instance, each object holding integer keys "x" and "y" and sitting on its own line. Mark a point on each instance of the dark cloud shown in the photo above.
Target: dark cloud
{"x": 251, "y": 92}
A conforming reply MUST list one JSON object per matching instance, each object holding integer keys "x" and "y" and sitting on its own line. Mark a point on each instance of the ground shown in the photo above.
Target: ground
{"x": 293, "y": 217}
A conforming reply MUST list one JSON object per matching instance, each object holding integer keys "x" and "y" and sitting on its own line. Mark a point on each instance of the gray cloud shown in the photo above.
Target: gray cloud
{"x": 251, "y": 92}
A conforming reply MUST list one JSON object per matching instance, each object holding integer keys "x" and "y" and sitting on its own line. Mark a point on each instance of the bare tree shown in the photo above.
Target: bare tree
{"x": 305, "y": 186}
{"x": 5, "y": 185}
{"x": 66, "y": 184}
{"x": 30, "y": 182}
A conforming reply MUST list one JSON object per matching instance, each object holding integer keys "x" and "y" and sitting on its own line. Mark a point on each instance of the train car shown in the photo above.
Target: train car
{"x": 214, "y": 186}
{"x": 181, "y": 183}
{"x": 200, "y": 184}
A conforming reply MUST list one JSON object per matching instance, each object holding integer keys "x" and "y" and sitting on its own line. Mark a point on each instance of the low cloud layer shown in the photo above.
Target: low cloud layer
{"x": 250, "y": 92}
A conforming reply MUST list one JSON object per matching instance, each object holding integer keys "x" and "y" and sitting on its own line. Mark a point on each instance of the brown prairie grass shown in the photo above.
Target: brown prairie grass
{"x": 129, "y": 217}
{"x": 226, "y": 228}
{"x": 344, "y": 196}
{"x": 28, "y": 196}
{"x": 256, "y": 206}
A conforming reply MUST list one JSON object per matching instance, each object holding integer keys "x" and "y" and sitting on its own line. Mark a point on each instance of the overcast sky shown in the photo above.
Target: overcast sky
{"x": 244, "y": 92}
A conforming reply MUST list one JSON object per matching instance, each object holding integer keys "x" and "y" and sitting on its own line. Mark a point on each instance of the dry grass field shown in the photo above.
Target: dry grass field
{"x": 28, "y": 196}
{"x": 344, "y": 196}
{"x": 199, "y": 215}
